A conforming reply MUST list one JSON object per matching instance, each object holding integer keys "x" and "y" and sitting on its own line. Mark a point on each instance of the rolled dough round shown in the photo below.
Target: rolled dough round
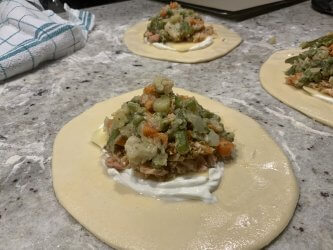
{"x": 272, "y": 79}
{"x": 256, "y": 198}
{"x": 225, "y": 41}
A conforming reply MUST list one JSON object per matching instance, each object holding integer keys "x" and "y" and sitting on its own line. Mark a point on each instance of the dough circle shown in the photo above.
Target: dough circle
{"x": 272, "y": 79}
{"x": 225, "y": 41}
{"x": 256, "y": 198}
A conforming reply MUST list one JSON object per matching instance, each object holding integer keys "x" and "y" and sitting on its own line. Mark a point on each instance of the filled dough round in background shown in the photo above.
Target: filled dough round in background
{"x": 224, "y": 41}
{"x": 256, "y": 198}
{"x": 272, "y": 78}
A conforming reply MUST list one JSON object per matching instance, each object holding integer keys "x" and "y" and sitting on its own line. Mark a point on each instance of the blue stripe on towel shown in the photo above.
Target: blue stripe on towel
{"x": 35, "y": 42}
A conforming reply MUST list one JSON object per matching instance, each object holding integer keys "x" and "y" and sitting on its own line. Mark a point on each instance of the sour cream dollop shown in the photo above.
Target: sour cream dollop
{"x": 178, "y": 189}
{"x": 204, "y": 44}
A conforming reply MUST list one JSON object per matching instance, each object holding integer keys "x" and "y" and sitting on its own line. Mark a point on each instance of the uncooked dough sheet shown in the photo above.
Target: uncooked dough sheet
{"x": 256, "y": 198}
{"x": 225, "y": 41}
{"x": 272, "y": 79}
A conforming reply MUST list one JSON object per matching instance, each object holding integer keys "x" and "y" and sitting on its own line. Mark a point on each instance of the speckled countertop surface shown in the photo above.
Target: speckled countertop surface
{"x": 34, "y": 107}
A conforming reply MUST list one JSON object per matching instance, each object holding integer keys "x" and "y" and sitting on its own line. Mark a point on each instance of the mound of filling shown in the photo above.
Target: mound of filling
{"x": 314, "y": 67}
{"x": 161, "y": 135}
{"x": 176, "y": 24}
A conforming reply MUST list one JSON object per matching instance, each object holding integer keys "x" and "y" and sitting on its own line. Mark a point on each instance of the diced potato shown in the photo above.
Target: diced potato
{"x": 175, "y": 19}
{"x": 138, "y": 151}
{"x": 162, "y": 104}
{"x": 173, "y": 31}
{"x": 213, "y": 139}
{"x": 163, "y": 85}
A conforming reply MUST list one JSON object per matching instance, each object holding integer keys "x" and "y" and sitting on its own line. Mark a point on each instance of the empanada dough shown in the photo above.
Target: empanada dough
{"x": 256, "y": 198}
{"x": 272, "y": 78}
{"x": 224, "y": 41}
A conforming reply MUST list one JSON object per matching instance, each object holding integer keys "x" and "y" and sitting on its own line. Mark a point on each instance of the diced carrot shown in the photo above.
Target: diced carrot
{"x": 150, "y": 89}
{"x": 149, "y": 104}
{"x": 121, "y": 140}
{"x": 174, "y": 5}
{"x": 207, "y": 150}
{"x": 149, "y": 131}
{"x": 225, "y": 148}
{"x": 163, "y": 137}
{"x": 291, "y": 80}
{"x": 196, "y": 21}
{"x": 163, "y": 13}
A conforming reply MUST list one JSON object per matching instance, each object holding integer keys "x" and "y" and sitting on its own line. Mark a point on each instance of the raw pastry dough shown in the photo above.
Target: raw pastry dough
{"x": 225, "y": 41}
{"x": 256, "y": 198}
{"x": 272, "y": 78}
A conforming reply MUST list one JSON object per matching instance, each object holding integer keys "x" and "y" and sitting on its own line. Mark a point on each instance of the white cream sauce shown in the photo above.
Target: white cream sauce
{"x": 318, "y": 95}
{"x": 178, "y": 189}
{"x": 204, "y": 44}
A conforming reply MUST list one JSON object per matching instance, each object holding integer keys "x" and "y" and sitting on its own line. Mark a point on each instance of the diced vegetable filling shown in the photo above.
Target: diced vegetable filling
{"x": 176, "y": 24}
{"x": 162, "y": 135}
{"x": 313, "y": 67}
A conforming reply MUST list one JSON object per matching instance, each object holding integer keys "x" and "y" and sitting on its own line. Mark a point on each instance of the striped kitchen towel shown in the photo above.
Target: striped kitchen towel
{"x": 29, "y": 36}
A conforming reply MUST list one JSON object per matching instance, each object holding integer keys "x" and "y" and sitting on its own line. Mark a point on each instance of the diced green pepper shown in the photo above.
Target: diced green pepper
{"x": 291, "y": 70}
{"x": 206, "y": 114}
{"x": 197, "y": 122}
{"x": 322, "y": 41}
{"x": 112, "y": 138}
{"x": 137, "y": 119}
{"x": 191, "y": 104}
{"x": 178, "y": 102}
{"x": 160, "y": 159}
{"x": 185, "y": 30}
{"x": 177, "y": 124}
{"x": 136, "y": 99}
{"x": 182, "y": 145}
{"x": 229, "y": 136}
{"x": 156, "y": 24}
{"x": 134, "y": 107}
{"x": 291, "y": 60}
{"x": 164, "y": 124}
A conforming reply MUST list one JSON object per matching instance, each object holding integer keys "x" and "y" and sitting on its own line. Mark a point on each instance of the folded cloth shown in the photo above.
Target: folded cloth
{"x": 29, "y": 36}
